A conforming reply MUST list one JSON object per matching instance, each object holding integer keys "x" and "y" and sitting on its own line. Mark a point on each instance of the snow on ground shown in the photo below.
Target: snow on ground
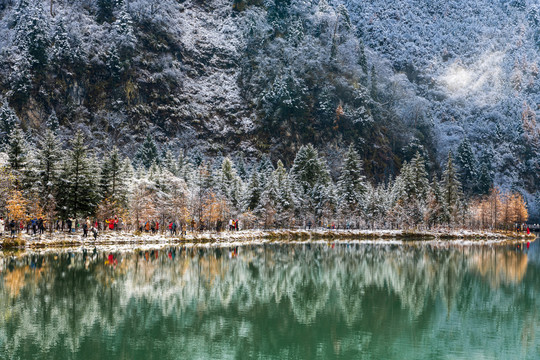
{"x": 118, "y": 241}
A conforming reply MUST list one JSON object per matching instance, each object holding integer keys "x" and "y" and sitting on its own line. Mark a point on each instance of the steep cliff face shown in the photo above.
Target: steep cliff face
{"x": 162, "y": 67}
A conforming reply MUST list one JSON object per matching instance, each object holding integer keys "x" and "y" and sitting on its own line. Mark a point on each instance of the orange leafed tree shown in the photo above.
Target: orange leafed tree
{"x": 16, "y": 206}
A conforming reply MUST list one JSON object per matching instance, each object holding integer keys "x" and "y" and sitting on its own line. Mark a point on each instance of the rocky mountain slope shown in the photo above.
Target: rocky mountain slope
{"x": 257, "y": 77}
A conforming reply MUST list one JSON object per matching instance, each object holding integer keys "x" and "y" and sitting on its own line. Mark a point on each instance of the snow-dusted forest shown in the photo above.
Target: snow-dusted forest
{"x": 212, "y": 105}
{"x": 54, "y": 184}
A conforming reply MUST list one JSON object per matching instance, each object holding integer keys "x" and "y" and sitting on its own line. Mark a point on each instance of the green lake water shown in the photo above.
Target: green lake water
{"x": 304, "y": 301}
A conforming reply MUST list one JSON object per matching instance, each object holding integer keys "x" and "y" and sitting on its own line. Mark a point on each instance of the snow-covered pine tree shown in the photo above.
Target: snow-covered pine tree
{"x": 114, "y": 179}
{"x": 351, "y": 186}
{"x": 252, "y": 192}
{"x": 52, "y": 123}
{"x": 8, "y": 122}
{"x": 49, "y": 158}
{"x": 169, "y": 162}
{"x": 228, "y": 183}
{"x": 311, "y": 174}
{"x": 32, "y": 35}
{"x": 285, "y": 202}
{"x": 434, "y": 215}
{"x": 484, "y": 182}
{"x": 362, "y": 61}
{"x": 79, "y": 181}
{"x": 17, "y": 151}
{"x": 148, "y": 152}
{"x": 468, "y": 167}
{"x": 123, "y": 26}
{"x": 416, "y": 179}
{"x": 451, "y": 192}
{"x": 266, "y": 208}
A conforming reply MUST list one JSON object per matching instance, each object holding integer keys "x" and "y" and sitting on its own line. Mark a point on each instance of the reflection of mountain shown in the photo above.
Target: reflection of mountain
{"x": 307, "y": 300}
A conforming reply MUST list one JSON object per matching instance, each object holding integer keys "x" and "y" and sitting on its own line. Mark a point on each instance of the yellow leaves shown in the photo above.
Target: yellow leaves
{"x": 16, "y": 205}
{"x": 499, "y": 209}
{"x": 214, "y": 208}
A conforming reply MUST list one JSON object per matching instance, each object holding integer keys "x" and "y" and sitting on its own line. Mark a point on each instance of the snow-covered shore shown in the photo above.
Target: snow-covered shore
{"x": 229, "y": 238}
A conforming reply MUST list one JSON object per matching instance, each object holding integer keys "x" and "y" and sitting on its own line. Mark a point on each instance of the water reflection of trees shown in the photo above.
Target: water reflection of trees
{"x": 370, "y": 288}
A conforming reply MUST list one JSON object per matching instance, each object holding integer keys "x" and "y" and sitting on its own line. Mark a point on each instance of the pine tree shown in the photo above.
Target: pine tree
{"x": 351, "y": 185}
{"x": 148, "y": 152}
{"x": 451, "y": 192}
{"x": 229, "y": 183}
{"x": 79, "y": 181}
{"x": 362, "y": 61}
{"x": 185, "y": 168}
{"x": 308, "y": 169}
{"x": 114, "y": 179}
{"x": 52, "y": 122}
{"x": 17, "y": 152}
{"x": 267, "y": 204}
{"x": 123, "y": 26}
{"x": 8, "y": 122}
{"x": 434, "y": 215}
{"x": 31, "y": 35}
{"x": 467, "y": 165}
{"x": 416, "y": 181}
{"x": 484, "y": 183}
{"x": 169, "y": 162}
{"x": 311, "y": 174}
{"x": 286, "y": 201}
{"x": 49, "y": 157}
{"x": 253, "y": 192}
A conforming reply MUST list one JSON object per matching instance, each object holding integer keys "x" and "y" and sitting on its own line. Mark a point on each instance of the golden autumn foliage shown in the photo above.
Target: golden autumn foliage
{"x": 16, "y": 205}
{"x": 499, "y": 210}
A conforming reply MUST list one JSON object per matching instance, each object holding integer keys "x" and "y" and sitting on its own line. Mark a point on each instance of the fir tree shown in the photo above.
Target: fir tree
{"x": 253, "y": 192}
{"x": 124, "y": 28}
{"x": 8, "y": 122}
{"x": 17, "y": 151}
{"x": 169, "y": 162}
{"x": 114, "y": 178}
{"x": 467, "y": 165}
{"x": 313, "y": 178}
{"x": 52, "y": 123}
{"x": 451, "y": 191}
{"x": 485, "y": 182}
{"x": 79, "y": 181}
{"x": 308, "y": 169}
{"x": 148, "y": 152}
{"x": 267, "y": 204}
{"x": 49, "y": 157}
{"x": 286, "y": 201}
{"x": 229, "y": 183}
{"x": 351, "y": 185}
{"x": 416, "y": 180}
{"x": 31, "y": 35}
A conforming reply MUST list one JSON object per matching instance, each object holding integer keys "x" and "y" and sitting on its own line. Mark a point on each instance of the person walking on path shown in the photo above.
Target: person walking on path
{"x": 85, "y": 230}
{"x": 2, "y": 226}
{"x": 13, "y": 227}
{"x": 41, "y": 226}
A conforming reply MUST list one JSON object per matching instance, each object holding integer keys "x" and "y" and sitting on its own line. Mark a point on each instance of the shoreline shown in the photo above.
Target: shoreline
{"x": 60, "y": 240}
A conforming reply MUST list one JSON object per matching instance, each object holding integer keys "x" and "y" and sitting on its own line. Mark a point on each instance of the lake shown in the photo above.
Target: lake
{"x": 273, "y": 301}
